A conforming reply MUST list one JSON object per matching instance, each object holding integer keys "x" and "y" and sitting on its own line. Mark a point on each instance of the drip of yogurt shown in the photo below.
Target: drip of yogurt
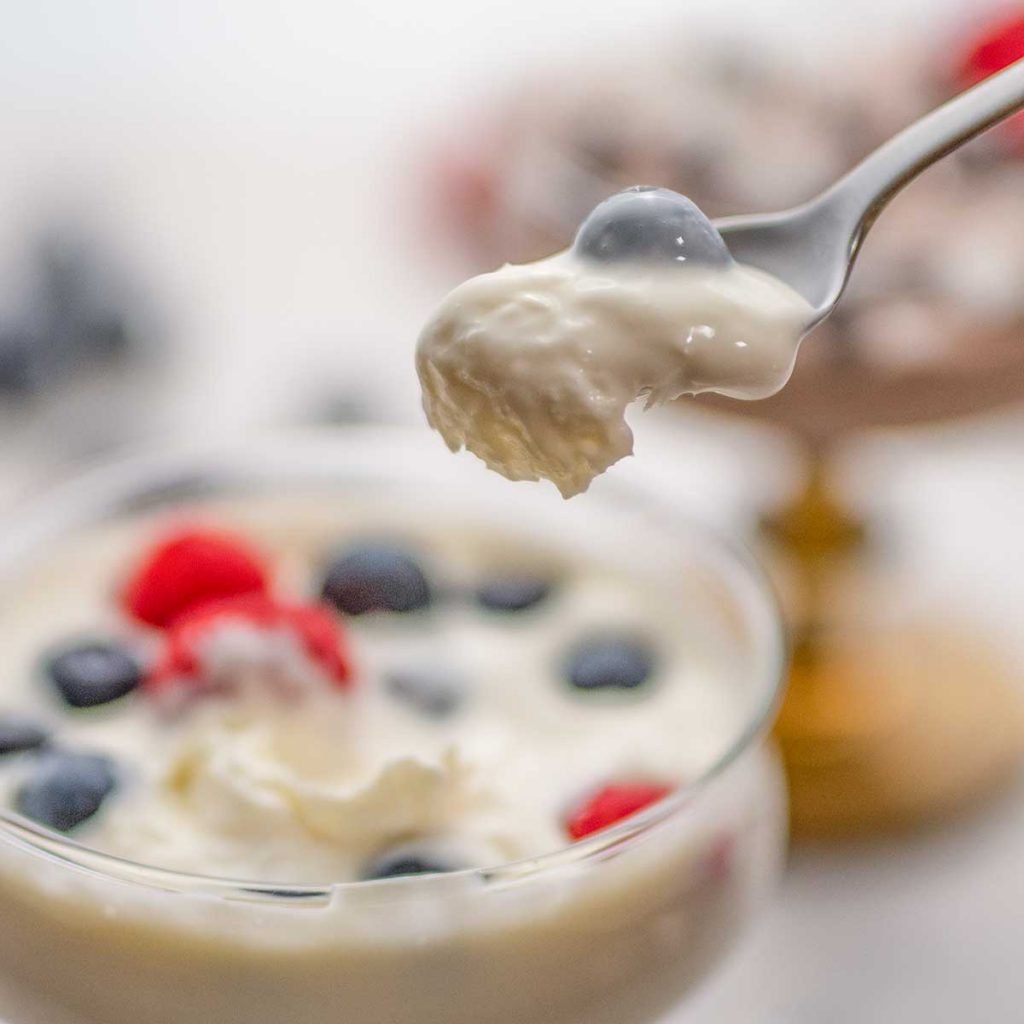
{"x": 532, "y": 367}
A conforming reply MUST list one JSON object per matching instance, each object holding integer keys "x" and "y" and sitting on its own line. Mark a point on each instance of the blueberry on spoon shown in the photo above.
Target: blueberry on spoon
{"x": 650, "y": 225}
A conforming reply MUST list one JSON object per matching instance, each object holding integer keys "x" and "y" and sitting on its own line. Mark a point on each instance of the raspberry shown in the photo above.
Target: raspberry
{"x": 322, "y": 638}
{"x": 998, "y": 45}
{"x": 180, "y": 655}
{"x": 314, "y": 625}
{"x": 187, "y": 568}
{"x": 612, "y": 803}
{"x": 467, "y": 188}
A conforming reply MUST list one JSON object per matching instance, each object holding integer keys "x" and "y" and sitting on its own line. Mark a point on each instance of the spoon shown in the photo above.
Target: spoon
{"x": 813, "y": 247}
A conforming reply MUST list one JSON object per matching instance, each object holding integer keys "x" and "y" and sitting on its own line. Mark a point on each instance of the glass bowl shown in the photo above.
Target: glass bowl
{"x": 614, "y": 929}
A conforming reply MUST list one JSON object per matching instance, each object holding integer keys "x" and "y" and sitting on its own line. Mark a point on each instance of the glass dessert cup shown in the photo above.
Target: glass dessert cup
{"x": 614, "y": 929}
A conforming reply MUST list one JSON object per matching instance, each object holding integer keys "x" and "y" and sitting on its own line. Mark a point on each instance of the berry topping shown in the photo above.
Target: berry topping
{"x": 650, "y": 225}
{"x": 612, "y": 803}
{"x": 435, "y": 692}
{"x": 320, "y": 632}
{"x": 191, "y": 651}
{"x": 22, "y": 362}
{"x": 610, "y": 663}
{"x": 513, "y": 593}
{"x": 18, "y": 734}
{"x": 65, "y": 789}
{"x": 467, "y": 187}
{"x": 999, "y": 44}
{"x": 92, "y": 674}
{"x": 190, "y": 567}
{"x": 405, "y": 860}
{"x": 376, "y": 578}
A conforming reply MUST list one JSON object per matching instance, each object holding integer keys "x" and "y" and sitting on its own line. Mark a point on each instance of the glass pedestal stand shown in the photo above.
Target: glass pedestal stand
{"x": 883, "y": 726}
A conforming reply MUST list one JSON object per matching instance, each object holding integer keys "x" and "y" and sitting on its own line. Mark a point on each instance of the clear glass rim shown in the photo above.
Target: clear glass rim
{"x": 110, "y": 484}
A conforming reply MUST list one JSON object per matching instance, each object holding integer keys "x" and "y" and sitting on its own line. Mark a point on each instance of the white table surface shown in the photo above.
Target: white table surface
{"x": 256, "y": 167}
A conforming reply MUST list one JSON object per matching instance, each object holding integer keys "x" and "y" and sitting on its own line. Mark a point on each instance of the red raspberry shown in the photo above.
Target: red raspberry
{"x": 466, "y": 187}
{"x": 314, "y": 625}
{"x": 612, "y": 803}
{"x": 180, "y": 655}
{"x": 322, "y": 638}
{"x": 187, "y": 568}
{"x": 998, "y": 45}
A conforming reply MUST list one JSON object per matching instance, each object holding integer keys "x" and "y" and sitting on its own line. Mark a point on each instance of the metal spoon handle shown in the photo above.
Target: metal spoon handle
{"x": 813, "y": 246}
{"x": 863, "y": 193}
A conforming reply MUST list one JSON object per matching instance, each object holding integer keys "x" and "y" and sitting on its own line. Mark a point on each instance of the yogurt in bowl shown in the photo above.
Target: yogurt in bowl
{"x": 443, "y": 755}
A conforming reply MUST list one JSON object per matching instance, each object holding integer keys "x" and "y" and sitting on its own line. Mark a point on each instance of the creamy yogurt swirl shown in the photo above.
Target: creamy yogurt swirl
{"x": 532, "y": 367}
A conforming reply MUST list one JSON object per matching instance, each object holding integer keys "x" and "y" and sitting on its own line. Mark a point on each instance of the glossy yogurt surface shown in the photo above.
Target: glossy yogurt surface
{"x": 532, "y": 367}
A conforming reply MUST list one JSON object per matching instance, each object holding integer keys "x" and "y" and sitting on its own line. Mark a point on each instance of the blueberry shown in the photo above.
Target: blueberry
{"x": 74, "y": 311}
{"x": 94, "y": 673}
{"x": 434, "y": 691}
{"x": 513, "y": 593}
{"x": 376, "y": 577}
{"x": 21, "y": 362}
{"x": 65, "y": 789}
{"x": 107, "y": 336}
{"x": 650, "y": 225}
{"x": 610, "y": 663}
{"x": 18, "y": 734}
{"x": 405, "y": 860}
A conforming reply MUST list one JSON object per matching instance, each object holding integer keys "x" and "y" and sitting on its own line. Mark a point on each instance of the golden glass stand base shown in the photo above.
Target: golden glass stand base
{"x": 885, "y": 724}
{"x": 898, "y": 728}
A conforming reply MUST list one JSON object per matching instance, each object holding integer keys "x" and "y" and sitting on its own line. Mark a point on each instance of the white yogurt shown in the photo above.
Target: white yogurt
{"x": 252, "y": 785}
{"x": 269, "y": 791}
{"x": 532, "y": 367}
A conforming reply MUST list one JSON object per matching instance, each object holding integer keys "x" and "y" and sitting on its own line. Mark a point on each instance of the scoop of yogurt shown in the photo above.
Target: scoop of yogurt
{"x": 532, "y": 367}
